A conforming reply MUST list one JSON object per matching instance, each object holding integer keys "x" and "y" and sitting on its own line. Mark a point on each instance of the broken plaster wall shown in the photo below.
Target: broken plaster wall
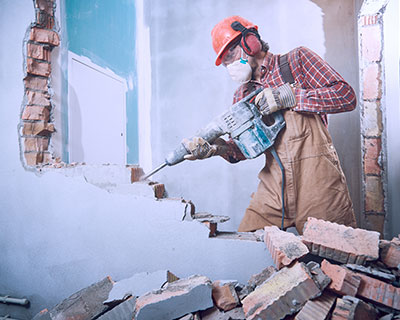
{"x": 60, "y": 233}
{"x": 188, "y": 90}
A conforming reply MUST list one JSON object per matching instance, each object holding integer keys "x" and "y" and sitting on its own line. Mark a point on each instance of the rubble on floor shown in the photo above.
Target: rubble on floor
{"x": 348, "y": 273}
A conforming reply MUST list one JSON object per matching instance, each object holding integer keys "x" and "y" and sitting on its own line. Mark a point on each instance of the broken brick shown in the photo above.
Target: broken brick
{"x": 212, "y": 227}
{"x": 36, "y": 113}
{"x": 340, "y": 243}
{"x": 376, "y": 273}
{"x": 344, "y": 282}
{"x": 38, "y": 68}
{"x": 257, "y": 279}
{"x": 37, "y": 51}
{"x": 36, "y": 144}
{"x": 176, "y": 299}
{"x": 224, "y": 295}
{"x": 159, "y": 190}
{"x": 38, "y": 128}
{"x": 350, "y": 308}
{"x": 390, "y": 253}
{"x": 38, "y": 98}
{"x": 318, "y": 308}
{"x": 45, "y": 5}
{"x": 33, "y": 158}
{"x": 136, "y": 174}
{"x": 284, "y": 293}
{"x": 285, "y": 247}
{"x": 35, "y": 83}
{"x": 84, "y": 304}
{"x": 378, "y": 291}
{"x": 44, "y": 36}
{"x": 215, "y": 314}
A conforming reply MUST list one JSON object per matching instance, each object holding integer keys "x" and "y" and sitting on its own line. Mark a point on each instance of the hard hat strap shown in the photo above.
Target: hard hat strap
{"x": 237, "y": 26}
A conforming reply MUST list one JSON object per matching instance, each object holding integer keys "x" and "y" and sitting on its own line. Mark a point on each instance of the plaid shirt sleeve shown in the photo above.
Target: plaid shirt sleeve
{"x": 322, "y": 89}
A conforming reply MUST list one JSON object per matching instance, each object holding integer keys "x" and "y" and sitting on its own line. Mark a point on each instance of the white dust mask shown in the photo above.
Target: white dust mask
{"x": 240, "y": 70}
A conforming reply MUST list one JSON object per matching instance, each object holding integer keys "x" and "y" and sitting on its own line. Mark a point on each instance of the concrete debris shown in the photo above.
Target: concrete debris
{"x": 138, "y": 285}
{"x": 337, "y": 287}
{"x": 207, "y": 217}
{"x": 176, "y": 299}
{"x": 285, "y": 247}
{"x": 340, "y": 243}
{"x": 224, "y": 295}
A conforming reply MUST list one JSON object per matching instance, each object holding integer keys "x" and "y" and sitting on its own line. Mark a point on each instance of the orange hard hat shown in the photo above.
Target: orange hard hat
{"x": 223, "y": 34}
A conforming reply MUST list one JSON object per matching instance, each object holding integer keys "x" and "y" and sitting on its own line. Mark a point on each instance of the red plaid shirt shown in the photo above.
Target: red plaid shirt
{"x": 319, "y": 88}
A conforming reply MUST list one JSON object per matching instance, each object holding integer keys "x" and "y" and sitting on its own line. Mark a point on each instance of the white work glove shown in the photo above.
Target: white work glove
{"x": 271, "y": 100}
{"x": 199, "y": 148}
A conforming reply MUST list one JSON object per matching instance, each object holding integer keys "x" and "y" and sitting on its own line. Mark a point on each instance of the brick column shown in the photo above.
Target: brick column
{"x": 372, "y": 111}
{"x": 36, "y": 115}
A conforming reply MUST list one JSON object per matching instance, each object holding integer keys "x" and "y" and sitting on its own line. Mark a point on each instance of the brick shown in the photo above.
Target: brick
{"x": 284, "y": 293}
{"x": 344, "y": 282}
{"x": 44, "y": 36}
{"x": 136, "y": 174}
{"x": 379, "y": 292}
{"x": 45, "y": 20}
{"x": 285, "y": 247}
{"x": 36, "y": 113}
{"x": 372, "y": 150}
{"x": 122, "y": 311}
{"x": 176, "y": 299}
{"x": 224, "y": 295}
{"x": 36, "y": 144}
{"x": 318, "y": 308}
{"x": 350, "y": 308}
{"x": 35, "y": 83}
{"x": 374, "y": 222}
{"x": 138, "y": 285}
{"x": 339, "y": 242}
{"x": 38, "y": 68}
{"x": 45, "y": 5}
{"x": 33, "y": 158}
{"x": 38, "y": 128}
{"x": 37, "y": 51}
{"x": 368, "y": 20}
{"x": 84, "y": 304}
{"x": 38, "y": 98}
{"x": 371, "y": 43}
{"x": 374, "y": 198}
{"x": 374, "y": 272}
{"x": 212, "y": 226}
{"x": 257, "y": 279}
{"x": 371, "y": 120}
{"x": 390, "y": 254}
{"x": 159, "y": 190}
{"x": 215, "y": 314}
{"x": 372, "y": 84}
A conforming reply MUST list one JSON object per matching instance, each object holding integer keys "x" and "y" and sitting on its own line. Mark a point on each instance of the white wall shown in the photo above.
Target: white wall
{"x": 188, "y": 90}
{"x": 60, "y": 233}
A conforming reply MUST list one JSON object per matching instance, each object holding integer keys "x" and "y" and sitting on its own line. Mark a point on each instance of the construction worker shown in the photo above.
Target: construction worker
{"x": 305, "y": 89}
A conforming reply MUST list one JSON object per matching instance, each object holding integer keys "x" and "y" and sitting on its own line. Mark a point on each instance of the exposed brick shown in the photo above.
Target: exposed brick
{"x": 374, "y": 272}
{"x": 36, "y": 113}
{"x": 318, "y": 308}
{"x": 372, "y": 87}
{"x": 378, "y": 291}
{"x": 374, "y": 222}
{"x": 340, "y": 243}
{"x": 45, "y": 5}
{"x": 350, "y": 308}
{"x": 368, "y": 20}
{"x": 38, "y": 68}
{"x": 344, "y": 282}
{"x": 212, "y": 226}
{"x": 390, "y": 254}
{"x": 136, "y": 174}
{"x": 371, "y": 155}
{"x": 44, "y": 36}
{"x": 373, "y": 194}
{"x": 371, "y": 120}
{"x": 47, "y": 158}
{"x": 284, "y": 293}
{"x": 37, "y": 51}
{"x": 35, "y": 83}
{"x": 45, "y": 20}
{"x": 36, "y": 144}
{"x": 38, "y": 128}
{"x": 176, "y": 299}
{"x": 38, "y": 98}
{"x": 33, "y": 158}
{"x": 257, "y": 279}
{"x": 371, "y": 43}
{"x": 159, "y": 190}
{"x": 285, "y": 247}
{"x": 224, "y": 295}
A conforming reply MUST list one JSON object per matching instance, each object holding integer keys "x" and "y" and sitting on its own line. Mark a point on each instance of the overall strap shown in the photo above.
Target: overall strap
{"x": 284, "y": 69}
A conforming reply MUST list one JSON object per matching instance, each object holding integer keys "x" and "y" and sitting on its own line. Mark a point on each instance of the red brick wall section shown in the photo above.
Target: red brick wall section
{"x": 36, "y": 120}
{"x": 370, "y": 28}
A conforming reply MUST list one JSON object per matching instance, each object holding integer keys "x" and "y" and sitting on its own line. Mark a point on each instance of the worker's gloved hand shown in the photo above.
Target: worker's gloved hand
{"x": 271, "y": 100}
{"x": 199, "y": 148}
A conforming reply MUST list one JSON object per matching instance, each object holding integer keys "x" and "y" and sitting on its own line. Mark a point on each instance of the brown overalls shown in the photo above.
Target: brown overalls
{"x": 315, "y": 185}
